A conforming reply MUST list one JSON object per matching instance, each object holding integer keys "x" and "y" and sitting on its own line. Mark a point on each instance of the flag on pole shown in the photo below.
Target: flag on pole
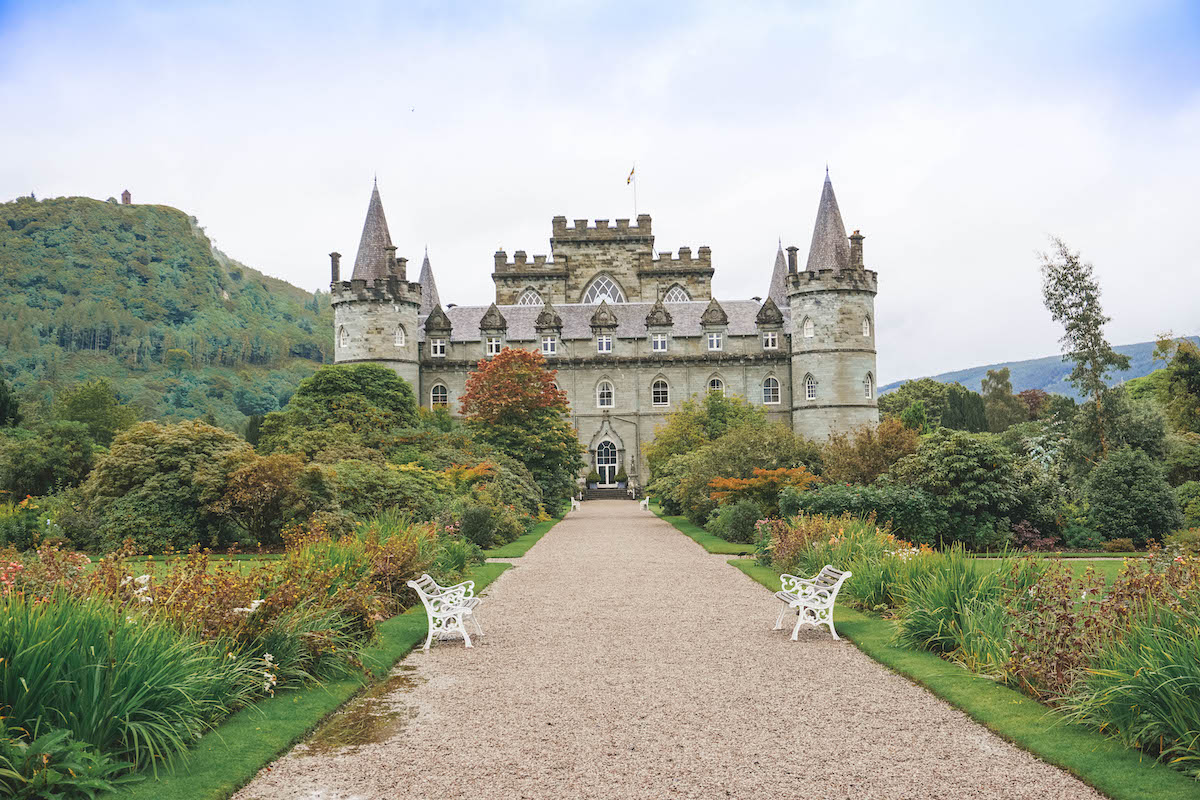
{"x": 629, "y": 180}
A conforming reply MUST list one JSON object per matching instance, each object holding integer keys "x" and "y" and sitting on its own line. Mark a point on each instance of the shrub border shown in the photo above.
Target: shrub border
{"x": 1103, "y": 763}
{"x": 711, "y": 543}
{"x": 520, "y": 546}
{"x": 228, "y": 757}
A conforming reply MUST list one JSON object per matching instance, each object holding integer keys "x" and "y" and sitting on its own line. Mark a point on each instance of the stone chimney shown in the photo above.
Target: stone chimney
{"x": 792, "y": 258}
{"x": 856, "y": 253}
{"x": 389, "y": 258}
{"x": 335, "y": 267}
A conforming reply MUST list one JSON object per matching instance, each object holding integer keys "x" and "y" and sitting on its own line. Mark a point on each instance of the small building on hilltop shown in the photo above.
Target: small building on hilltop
{"x": 631, "y": 332}
{"x": 126, "y": 198}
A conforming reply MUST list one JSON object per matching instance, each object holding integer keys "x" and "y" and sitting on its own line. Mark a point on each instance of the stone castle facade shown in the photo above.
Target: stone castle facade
{"x": 632, "y": 332}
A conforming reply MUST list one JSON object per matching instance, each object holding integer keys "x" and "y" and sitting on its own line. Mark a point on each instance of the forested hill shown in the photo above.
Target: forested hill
{"x": 96, "y": 289}
{"x": 1050, "y": 373}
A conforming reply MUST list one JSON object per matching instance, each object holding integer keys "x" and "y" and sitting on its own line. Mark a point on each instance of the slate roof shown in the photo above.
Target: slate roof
{"x": 778, "y": 290}
{"x": 829, "y": 249}
{"x": 577, "y": 319}
{"x": 371, "y": 262}
{"x": 429, "y": 292}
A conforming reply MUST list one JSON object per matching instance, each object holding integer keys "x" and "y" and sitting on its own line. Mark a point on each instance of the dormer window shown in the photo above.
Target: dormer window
{"x": 658, "y": 343}
{"x": 716, "y": 341}
{"x": 770, "y": 340}
{"x": 494, "y": 345}
{"x": 604, "y": 343}
{"x": 549, "y": 345}
{"x": 437, "y": 348}
{"x": 400, "y": 337}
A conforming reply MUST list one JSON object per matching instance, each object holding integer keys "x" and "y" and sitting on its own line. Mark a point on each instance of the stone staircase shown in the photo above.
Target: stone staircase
{"x": 606, "y": 494}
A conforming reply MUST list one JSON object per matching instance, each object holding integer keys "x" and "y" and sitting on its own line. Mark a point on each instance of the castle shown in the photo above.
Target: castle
{"x": 632, "y": 332}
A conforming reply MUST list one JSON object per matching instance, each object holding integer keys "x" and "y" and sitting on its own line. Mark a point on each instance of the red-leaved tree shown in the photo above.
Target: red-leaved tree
{"x": 512, "y": 388}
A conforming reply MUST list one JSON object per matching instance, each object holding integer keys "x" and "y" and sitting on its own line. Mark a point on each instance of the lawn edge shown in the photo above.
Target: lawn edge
{"x": 228, "y": 757}
{"x": 1104, "y": 764}
{"x": 713, "y": 544}
{"x": 520, "y": 546}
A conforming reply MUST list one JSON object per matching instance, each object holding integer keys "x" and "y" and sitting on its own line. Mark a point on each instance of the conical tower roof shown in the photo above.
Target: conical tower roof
{"x": 429, "y": 292}
{"x": 778, "y": 290}
{"x": 371, "y": 263}
{"x": 830, "y": 248}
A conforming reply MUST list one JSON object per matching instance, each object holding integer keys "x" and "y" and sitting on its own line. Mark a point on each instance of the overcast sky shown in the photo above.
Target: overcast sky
{"x": 957, "y": 139}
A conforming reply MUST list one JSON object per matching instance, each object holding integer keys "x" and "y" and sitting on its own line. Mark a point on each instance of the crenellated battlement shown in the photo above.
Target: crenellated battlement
{"x": 521, "y": 263}
{"x": 601, "y": 231}
{"x": 684, "y": 262}
{"x": 388, "y": 290}
{"x": 846, "y": 280}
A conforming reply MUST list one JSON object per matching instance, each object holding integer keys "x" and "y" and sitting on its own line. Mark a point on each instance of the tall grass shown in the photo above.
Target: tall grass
{"x": 136, "y": 688}
{"x": 1143, "y": 686}
{"x": 940, "y": 601}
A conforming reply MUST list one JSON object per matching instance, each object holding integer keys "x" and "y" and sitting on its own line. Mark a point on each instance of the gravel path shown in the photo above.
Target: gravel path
{"x": 622, "y": 661}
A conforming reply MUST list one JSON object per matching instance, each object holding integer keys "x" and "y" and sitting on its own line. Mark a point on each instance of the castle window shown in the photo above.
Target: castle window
{"x": 343, "y": 337}
{"x": 439, "y": 396}
{"x": 866, "y": 326}
{"x": 604, "y": 395}
{"x": 437, "y": 348}
{"x": 529, "y": 297}
{"x": 604, "y": 343}
{"x": 549, "y": 345}
{"x": 676, "y": 294}
{"x": 715, "y": 341}
{"x": 658, "y": 343}
{"x": 716, "y": 386}
{"x": 770, "y": 340}
{"x": 400, "y": 337}
{"x": 494, "y": 345}
{"x": 601, "y": 288}
{"x": 810, "y": 387}
{"x": 868, "y": 386}
{"x": 771, "y": 391}
{"x": 660, "y": 393}
{"x": 809, "y": 328}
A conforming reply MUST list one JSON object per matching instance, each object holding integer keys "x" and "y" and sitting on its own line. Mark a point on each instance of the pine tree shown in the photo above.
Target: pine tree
{"x": 10, "y": 412}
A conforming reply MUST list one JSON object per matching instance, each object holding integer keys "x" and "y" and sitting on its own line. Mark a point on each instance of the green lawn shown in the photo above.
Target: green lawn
{"x": 1117, "y": 771}
{"x": 713, "y": 544}
{"x": 519, "y": 547}
{"x": 157, "y": 565}
{"x": 225, "y": 759}
{"x": 1108, "y": 569}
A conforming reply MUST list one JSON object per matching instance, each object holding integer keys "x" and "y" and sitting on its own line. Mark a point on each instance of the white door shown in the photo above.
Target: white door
{"x": 606, "y": 463}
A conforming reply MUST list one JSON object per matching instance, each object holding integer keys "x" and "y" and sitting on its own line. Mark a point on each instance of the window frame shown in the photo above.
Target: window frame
{"x": 445, "y": 393}
{"x": 613, "y": 292}
{"x": 810, "y": 387}
{"x": 343, "y": 338}
{"x": 604, "y": 343}
{"x": 601, "y": 392}
{"x": 659, "y": 338}
{"x": 488, "y": 341}
{"x": 720, "y": 385}
{"x": 866, "y": 327}
{"x": 770, "y": 340}
{"x": 869, "y": 386}
{"x": 437, "y": 348}
{"x": 552, "y": 341}
{"x": 666, "y": 392}
{"x": 530, "y": 297}
{"x": 767, "y": 381}
{"x": 677, "y": 289}
{"x": 809, "y": 328}
{"x": 400, "y": 338}
{"x": 717, "y": 337}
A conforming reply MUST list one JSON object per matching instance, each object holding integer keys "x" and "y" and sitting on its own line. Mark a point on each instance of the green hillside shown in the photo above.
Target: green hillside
{"x": 97, "y": 289}
{"x": 1050, "y": 373}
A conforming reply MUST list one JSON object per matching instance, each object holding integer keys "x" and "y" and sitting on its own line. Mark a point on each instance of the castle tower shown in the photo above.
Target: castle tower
{"x": 833, "y": 329}
{"x": 375, "y": 312}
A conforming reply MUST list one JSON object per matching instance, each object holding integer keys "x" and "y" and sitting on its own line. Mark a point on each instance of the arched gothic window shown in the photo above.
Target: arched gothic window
{"x": 771, "y": 391}
{"x": 866, "y": 326}
{"x": 530, "y": 297}
{"x": 603, "y": 287}
{"x": 439, "y": 396}
{"x": 809, "y": 328}
{"x": 716, "y": 385}
{"x": 604, "y": 394}
{"x": 400, "y": 337}
{"x": 660, "y": 393}
{"x": 810, "y": 387}
{"x": 868, "y": 386}
{"x": 676, "y": 294}
{"x": 343, "y": 337}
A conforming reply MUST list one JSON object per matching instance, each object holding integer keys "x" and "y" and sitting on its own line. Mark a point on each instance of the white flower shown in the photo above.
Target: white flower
{"x": 142, "y": 580}
{"x": 268, "y": 659}
{"x": 125, "y": 581}
{"x": 145, "y": 599}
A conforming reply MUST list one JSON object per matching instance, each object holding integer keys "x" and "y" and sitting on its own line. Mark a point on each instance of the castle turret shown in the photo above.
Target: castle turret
{"x": 777, "y": 292}
{"x": 833, "y": 330}
{"x": 429, "y": 292}
{"x": 375, "y": 312}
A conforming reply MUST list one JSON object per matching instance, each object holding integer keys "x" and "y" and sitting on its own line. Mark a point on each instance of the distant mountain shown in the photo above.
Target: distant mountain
{"x": 1050, "y": 373}
{"x": 97, "y": 289}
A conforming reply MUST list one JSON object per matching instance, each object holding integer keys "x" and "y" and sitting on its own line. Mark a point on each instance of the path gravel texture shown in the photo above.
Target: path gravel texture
{"x": 623, "y": 661}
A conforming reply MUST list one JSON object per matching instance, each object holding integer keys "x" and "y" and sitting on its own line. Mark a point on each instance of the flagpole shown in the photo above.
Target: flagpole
{"x": 635, "y": 177}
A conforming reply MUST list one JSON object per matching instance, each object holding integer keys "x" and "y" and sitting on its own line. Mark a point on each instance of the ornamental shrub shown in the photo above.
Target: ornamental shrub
{"x": 910, "y": 513}
{"x": 734, "y": 522}
{"x": 1080, "y": 537}
{"x": 1187, "y": 495}
{"x": 1128, "y": 496}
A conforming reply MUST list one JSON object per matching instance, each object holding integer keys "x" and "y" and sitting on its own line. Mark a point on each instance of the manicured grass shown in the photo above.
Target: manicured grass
{"x": 518, "y": 548}
{"x": 157, "y": 565}
{"x": 1115, "y": 770}
{"x": 1089, "y": 554}
{"x": 1108, "y": 569}
{"x": 225, "y": 759}
{"x": 713, "y": 544}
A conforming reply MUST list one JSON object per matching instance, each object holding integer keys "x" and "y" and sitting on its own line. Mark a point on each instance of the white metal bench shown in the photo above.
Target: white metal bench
{"x": 574, "y": 504}
{"x": 645, "y": 504}
{"x": 448, "y": 608}
{"x": 812, "y": 598}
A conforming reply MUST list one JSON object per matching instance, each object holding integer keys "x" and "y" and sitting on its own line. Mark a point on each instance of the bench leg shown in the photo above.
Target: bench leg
{"x": 779, "y": 622}
{"x": 463, "y": 630}
{"x": 429, "y": 636}
{"x": 799, "y": 622}
{"x": 831, "y": 628}
{"x": 475, "y": 622}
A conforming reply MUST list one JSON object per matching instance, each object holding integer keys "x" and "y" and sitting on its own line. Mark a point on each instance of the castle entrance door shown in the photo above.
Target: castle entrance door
{"x": 606, "y": 463}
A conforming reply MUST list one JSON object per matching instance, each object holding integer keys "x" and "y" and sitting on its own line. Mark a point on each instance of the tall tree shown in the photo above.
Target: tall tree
{"x": 10, "y": 412}
{"x": 1001, "y": 406}
{"x": 1072, "y": 296}
{"x": 95, "y": 403}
